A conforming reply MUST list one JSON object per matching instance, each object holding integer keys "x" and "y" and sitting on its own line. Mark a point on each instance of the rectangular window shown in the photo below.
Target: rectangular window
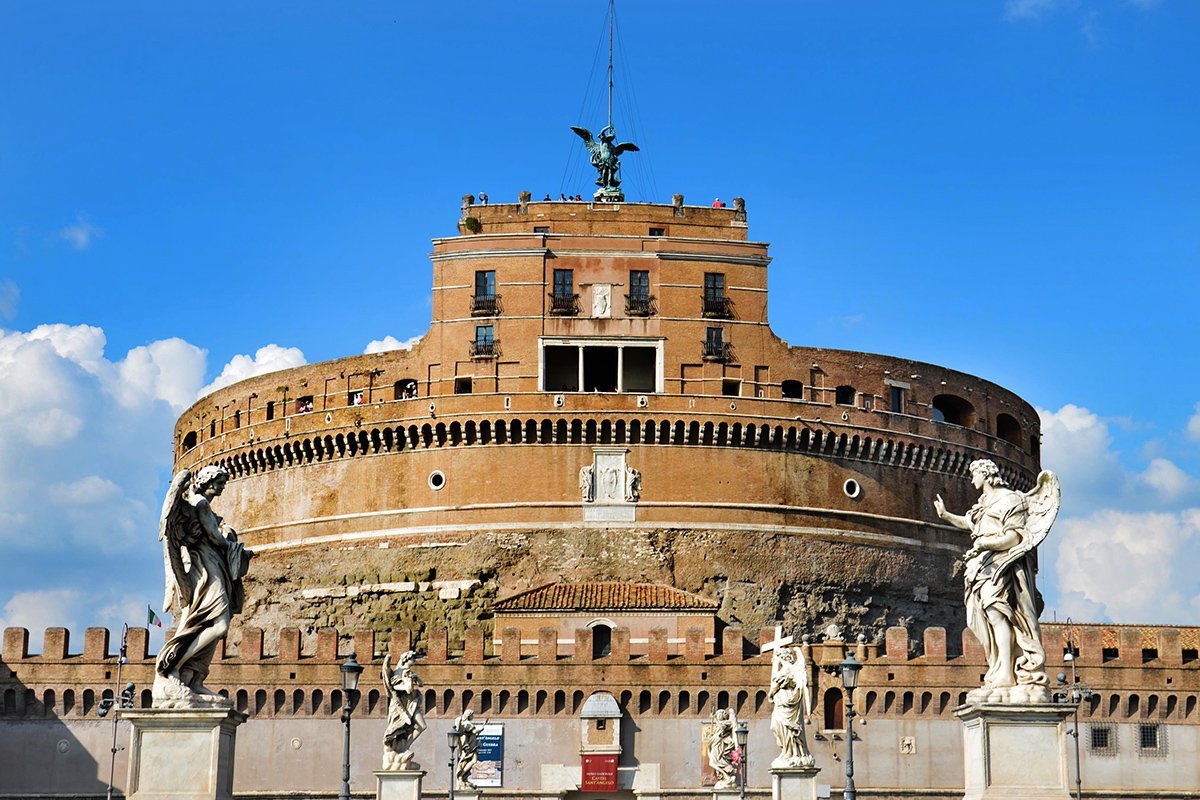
{"x": 485, "y": 334}
{"x": 485, "y": 283}
{"x": 564, "y": 283}
{"x": 1102, "y": 740}
{"x": 462, "y": 385}
{"x": 1152, "y": 740}
{"x": 897, "y": 397}
{"x": 541, "y": 228}
{"x": 639, "y": 284}
{"x": 355, "y": 398}
{"x": 1109, "y": 654}
{"x": 714, "y": 286}
{"x": 237, "y": 419}
{"x": 304, "y": 404}
{"x": 731, "y": 387}
{"x": 658, "y": 231}
{"x": 271, "y": 410}
{"x": 715, "y": 337}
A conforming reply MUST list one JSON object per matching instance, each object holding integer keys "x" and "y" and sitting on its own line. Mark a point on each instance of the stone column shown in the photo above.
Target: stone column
{"x": 1015, "y": 751}
{"x": 399, "y": 784}
{"x": 794, "y": 783}
{"x": 181, "y": 754}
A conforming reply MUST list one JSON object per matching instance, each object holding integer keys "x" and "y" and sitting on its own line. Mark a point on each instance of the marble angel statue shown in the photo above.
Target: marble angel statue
{"x": 468, "y": 749}
{"x": 721, "y": 748}
{"x": 1003, "y": 604}
{"x": 792, "y": 699}
{"x": 205, "y": 565}
{"x": 406, "y": 713}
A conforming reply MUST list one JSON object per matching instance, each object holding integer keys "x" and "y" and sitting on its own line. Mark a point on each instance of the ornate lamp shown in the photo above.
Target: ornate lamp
{"x": 850, "y": 668}
{"x": 351, "y": 670}
{"x": 740, "y": 734}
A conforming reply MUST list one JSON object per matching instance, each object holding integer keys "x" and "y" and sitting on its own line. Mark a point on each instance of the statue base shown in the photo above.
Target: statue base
{"x": 606, "y": 195}
{"x": 725, "y": 793}
{"x": 794, "y": 783}
{"x": 467, "y": 794}
{"x": 399, "y": 784}
{"x": 1015, "y": 751}
{"x": 181, "y": 753}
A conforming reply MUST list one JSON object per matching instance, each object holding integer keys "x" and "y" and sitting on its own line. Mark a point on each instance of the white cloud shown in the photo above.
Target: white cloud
{"x": 271, "y": 358}
{"x": 82, "y": 233}
{"x": 390, "y": 343}
{"x": 10, "y": 295}
{"x": 1130, "y": 567}
{"x": 1193, "y": 425}
{"x": 1031, "y": 9}
{"x": 38, "y": 610}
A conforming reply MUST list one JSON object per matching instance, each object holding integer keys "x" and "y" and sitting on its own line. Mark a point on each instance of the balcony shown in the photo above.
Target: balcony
{"x": 718, "y": 308}
{"x": 716, "y": 351}
{"x": 485, "y": 349}
{"x": 485, "y": 305}
{"x": 564, "y": 305}
{"x": 639, "y": 305}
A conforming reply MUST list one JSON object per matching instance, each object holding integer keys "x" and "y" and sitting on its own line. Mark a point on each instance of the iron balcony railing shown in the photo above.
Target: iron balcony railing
{"x": 485, "y": 305}
{"x": 564, "y": 304}
{"x": 639, "y": 305}
{"x": 716, "y": 350}
{"x": 485, "y": 349}
{"x": 718, "y": 308}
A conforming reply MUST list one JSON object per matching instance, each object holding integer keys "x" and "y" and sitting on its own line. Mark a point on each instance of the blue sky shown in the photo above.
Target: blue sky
{"x": 1006, "y": 188}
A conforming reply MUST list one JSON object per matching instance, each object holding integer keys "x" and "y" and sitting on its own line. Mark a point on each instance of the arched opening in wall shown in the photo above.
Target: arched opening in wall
{"x": 280, "y": 701}
{"x": 760, "y": 699}
{"x": 906, "y": 703}
{"x": 560, "y": 702}
{"x": 844, "y": 395}
{"x": 1035, "y": 446}
{"x": 1114, "y": 703}
{"x": 926, "y": 701}
{"x": 742, "y": 698}
{"x": 1189, "y": 705}
{"x": 954, "y": 410}
{"x": 485, "y": 432}
{"x": 707, "y": 435}
{"x": 606, "y": 436}
{"x": 793, "y": 390}
{"x": 560, "y": 432}
{"x": 189, "y": 441}
{"x": 835, "y": 718}
{"x": 431, "y": 701}
{"x": 317, "y": 700}
{"x": 448, "y": 701}
{"x": 722, "y": 699}
{"x": 1093, "y": 704}
{"x": 404, "y": 389}
{"x": 243, "y": 701}
{"x": 504, "y": 701}
{"x": 644, "y": 702}
{"x": 522, "y": 701}
{"x": 702, "y": 699}
{"x": 1008, "y": 429}
{"x": 260, "y": 701}
{"x": 664, "y": 697}
{"x": 48, "y": 702}
{"x": 590, "y": 432}
{"x": 685, "y": 702}
{"x": 547, "y": 435}
{"x": 635, "y": 431}
{"x": 1151, "y": 705}
{"x": 889, "y": 702}
{"x": 297, "y": 701}
{"x": 485, "y": 701}
{"x": 455, "y": 433}
{"x": 373, "y": 698}
{"x": 1133, "y": 706}
{"x": 1171, "y": 706}
{"x": 576, "y": 702}
{"x": 943, "y": 702}
{"x": 68, "y": 701}
{"x": 467, "y": 696}
{"x": 619, "y": 432}
{"x": 539, "y": 701}
{"x": 89, "y": 700}
{"x": 872, "y": 700}
{"x": 514, "y": 429}
{"x": 147, "y": 699}
{"x": 576, "y": 431}
{"x": 601, "y": 639}
{"x": 693, "y": 436}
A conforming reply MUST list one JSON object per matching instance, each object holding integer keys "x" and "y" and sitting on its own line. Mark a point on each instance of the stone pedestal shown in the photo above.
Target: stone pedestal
{"x": 1015, "y": 751}
{"x": 794, "y": 783}
{"x": 399, "y": 784}
{"x": 466, "y": 794}
{"x": 181, "y": 754}
{"x": 731, "y": 793}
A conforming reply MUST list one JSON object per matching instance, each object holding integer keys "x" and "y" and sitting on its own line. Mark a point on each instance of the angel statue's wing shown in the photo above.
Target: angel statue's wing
{"x": 802, "y": 680}
{"x": 583, "y": 133}
{"x": 170, "y": 533}
{"x": 1044, "y": 500}
{"x": 387, "y": 671}
{"x": 626, "y": 147}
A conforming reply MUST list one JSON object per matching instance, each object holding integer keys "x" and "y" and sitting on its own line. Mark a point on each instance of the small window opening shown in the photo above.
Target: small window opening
{"x": 1008, "y": 429}
{"x": 212, "y": 429}
{"x": 793, "y": 390}
{"x": 954, "y": 410}
{"x": 270, "y": 410}
{"x": 834, "y": 716}
{"x": 844, "y": 395}
{"x": 896, "y": 396}
{"x": 601, "y": 724}
{"x": 1110, "y": 654}
{"x": 237, "y": 419}
{"x": 355, "y": 398}
{"x": 658, "y": 231}
{"x": 462, "y": 385}
{"x": 1190, "y": 654}
{"x": 189, "y": 441}
{"x": 731, "y": 387}
{"x": 1149, "y": 654}
{"x": 541, "y": 228}
{"x": 601, "y": 641}
{"x": 304, "y": 404}
{"x": 405, "y": 389}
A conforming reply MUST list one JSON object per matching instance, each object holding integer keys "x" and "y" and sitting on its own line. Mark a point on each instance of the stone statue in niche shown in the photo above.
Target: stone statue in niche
{"x": 406, "y": 715}
{"x": 633, "y": 485}
{"x": 610, "y": 483}
{"x": 601, "y": 300}
{"x": 204, "y": 564}
{"x": 721, "y": 748}
{"x": 792, "y": 699}
{"x": 1003, "y": 603}
{"x": 468, "y": 749}
{"x": 587, "y": 484}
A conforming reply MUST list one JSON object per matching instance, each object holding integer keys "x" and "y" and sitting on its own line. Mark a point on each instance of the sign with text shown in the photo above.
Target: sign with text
{"x": 599, "y": 773}
{"x": 488, "y": 771}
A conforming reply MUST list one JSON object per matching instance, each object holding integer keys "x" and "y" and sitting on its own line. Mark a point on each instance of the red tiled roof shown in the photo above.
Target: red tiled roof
{"x": 605, "y": 597}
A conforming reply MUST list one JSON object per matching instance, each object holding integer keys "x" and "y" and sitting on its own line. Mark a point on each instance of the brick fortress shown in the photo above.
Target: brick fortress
{"x": 601, "y": 471}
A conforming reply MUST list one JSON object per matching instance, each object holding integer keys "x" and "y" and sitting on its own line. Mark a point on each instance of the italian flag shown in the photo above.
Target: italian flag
{"x": 152, "y": 618}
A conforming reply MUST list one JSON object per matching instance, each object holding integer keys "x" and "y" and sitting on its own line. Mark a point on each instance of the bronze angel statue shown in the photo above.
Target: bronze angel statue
{"x": 205, "y": 565}
{"x": 605, "y": 155}
{"x": 1003, "y": 604}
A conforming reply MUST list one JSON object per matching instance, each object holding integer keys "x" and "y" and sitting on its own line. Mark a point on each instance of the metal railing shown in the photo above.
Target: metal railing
{"x": 564, "y": 304}
{"x": 716, "y": 350}
{"x": 718, "y": 308}
{"x": 485, "y": 349}
{"x": 639, "y": 305}
{"x": 485, "y": 305}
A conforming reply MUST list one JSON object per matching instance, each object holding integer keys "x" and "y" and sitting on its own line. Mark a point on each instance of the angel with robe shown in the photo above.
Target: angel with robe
{"x": 406, "y": 715}
{"x": 721, "y": 748}
{"x": 605, "y": 155}
{"x": 205, "y": 565}
{"x": 792, "y": 699}
{"x": 1003, "y": 603}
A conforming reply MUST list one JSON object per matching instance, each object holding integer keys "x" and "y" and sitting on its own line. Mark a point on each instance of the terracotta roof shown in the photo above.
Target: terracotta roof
{"x": 605, "y": 597}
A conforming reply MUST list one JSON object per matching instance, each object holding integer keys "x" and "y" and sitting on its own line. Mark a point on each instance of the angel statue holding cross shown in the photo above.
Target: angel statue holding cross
{"x": 1003, "y": 604}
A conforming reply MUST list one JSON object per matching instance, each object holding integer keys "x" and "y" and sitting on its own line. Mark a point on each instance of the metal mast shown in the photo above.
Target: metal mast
{"x": 611, "y": 10}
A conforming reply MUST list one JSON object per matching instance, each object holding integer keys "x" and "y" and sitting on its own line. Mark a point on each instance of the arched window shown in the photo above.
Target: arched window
{"x": 405, "y": 389}
{"x": 834, "y": 716}
{"x": 954, "y": 410}
{"x": 844, "y": 395}
{"x": 793, "y": 390}
{"x": 1008, "y": 429}
{"x": 189, "y": 441}
{"x": 601, "y": 639}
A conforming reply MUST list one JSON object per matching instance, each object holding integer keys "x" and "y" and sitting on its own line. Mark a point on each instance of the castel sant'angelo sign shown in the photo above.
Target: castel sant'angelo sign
{"x": 600, "y": 474}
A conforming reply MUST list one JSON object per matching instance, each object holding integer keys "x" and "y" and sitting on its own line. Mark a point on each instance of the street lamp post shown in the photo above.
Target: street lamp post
{"x": 850, "y": 668}
{"x": 351, "y": 670}
{"x": 1078, "y": 693}
{"x": 452, "y": 738}
{"x": 125, "y": 700}
{"x": 741, "y": 733}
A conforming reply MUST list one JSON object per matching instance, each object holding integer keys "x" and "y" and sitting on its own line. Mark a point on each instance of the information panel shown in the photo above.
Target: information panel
{"x": 599, "y": 773}
{"x": 488, "y": 771}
